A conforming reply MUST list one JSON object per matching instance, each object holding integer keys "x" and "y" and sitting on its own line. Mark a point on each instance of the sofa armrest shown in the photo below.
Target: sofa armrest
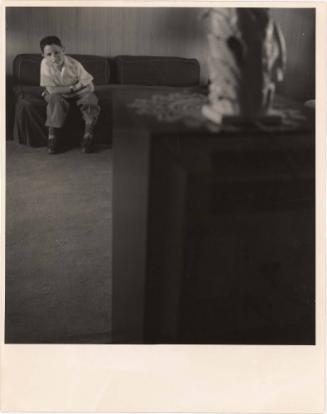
{"x": 23, "y": 91}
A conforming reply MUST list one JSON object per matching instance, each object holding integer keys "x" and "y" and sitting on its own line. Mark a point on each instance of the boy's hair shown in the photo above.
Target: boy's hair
{"x": 49, "y": 40}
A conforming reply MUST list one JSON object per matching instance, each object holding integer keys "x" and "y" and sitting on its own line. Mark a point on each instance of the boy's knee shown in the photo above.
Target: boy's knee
{"x": 56, "y": 98}
{"x": 89, "y": 99}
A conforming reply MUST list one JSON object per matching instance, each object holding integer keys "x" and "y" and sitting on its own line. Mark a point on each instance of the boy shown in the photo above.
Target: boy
{"x": 65, "y": 81}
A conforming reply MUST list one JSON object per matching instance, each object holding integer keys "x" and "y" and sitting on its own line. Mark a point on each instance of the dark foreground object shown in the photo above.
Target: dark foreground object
{"x": 219, "y": 232}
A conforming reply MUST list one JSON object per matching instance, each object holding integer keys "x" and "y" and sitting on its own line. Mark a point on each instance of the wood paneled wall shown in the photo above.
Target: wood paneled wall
{"x": 151, "y": 31}
{"x": 108, "y": 31}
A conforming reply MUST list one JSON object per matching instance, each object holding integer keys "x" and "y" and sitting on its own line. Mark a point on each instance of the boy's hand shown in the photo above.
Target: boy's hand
{"x": 44, "y": 92}
{"x": 76, "y": 87}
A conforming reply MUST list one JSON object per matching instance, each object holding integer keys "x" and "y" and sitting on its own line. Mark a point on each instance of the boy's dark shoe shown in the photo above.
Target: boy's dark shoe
{"x": 52, "y": 141}
{"x": 88, "y": 140}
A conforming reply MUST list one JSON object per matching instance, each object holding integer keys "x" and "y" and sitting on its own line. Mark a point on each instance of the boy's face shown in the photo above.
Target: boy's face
{"x": 54, "y": 53}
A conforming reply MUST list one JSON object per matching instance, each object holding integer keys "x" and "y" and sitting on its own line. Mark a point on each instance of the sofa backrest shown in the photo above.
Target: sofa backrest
{"x": 157, "y": 70}
{"x": 137, "y": 70}
{"x": 27, "y": 68}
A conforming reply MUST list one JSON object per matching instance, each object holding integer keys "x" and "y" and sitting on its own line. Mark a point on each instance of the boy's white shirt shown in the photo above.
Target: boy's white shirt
{"x": 71, "y": 72}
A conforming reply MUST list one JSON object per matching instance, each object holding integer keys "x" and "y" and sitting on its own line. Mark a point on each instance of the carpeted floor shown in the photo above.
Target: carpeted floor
{"x": 58, "y": 245}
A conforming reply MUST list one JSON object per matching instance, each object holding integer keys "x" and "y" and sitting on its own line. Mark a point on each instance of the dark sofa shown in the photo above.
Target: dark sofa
{"x": 110, "y": 74}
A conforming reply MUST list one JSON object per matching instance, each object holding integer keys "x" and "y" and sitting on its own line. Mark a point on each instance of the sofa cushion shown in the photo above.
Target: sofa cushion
{"x": 103, "y": 92}
{"x": 27, "y": 68}
{"x": 34, "y": 92}
{"x": 157, "y": 70}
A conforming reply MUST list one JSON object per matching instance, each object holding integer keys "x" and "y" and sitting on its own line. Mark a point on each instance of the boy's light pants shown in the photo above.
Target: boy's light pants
{"x": 58, "y": 107}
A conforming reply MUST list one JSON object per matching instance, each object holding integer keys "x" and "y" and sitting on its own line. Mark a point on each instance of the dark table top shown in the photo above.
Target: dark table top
{"x": 171, "y": 110}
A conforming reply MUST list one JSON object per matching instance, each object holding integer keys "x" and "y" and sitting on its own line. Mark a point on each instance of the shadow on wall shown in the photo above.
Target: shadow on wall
{"x": 185, "y": 29}
{"x": 298, "y": 26}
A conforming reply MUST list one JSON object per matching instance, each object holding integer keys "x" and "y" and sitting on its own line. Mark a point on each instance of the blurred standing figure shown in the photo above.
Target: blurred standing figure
{"x": 247, "y": 56}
